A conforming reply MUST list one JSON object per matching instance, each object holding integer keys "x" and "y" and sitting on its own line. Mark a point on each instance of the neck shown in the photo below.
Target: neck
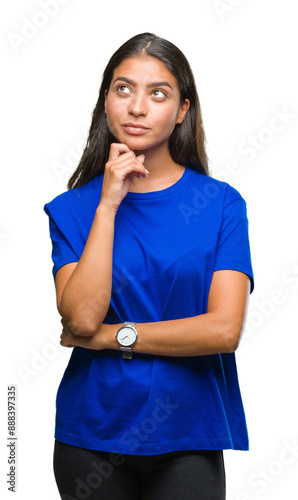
{"x": 163, "y": 172}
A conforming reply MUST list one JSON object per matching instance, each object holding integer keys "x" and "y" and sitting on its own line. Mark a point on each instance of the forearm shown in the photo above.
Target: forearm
{"x": 201, "y": 335}
{"x": 205, "y": 334}
{"x": 86, "y": 296}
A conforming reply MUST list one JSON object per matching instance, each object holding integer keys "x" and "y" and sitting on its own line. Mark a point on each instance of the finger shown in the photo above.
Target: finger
{"x": 126, "y": 165}
{"x": 132, "y": 169}
{"x": 67, "y": 340}
{"x": 116, "y": 149}
{"x": 127, "y": 160}
{"x": 80, "y": 341}
{"x": 120, "y": 160}
{"x": 141, "y": 158}
{"x": 67, "y": 345}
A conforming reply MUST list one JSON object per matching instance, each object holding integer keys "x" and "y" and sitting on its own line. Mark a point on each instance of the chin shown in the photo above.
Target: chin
{"x": 130, "y": 142}
{"x": 136, "y": 145}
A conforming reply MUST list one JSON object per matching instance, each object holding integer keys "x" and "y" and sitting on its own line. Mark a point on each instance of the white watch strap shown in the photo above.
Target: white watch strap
{"x": 126, "y": 351}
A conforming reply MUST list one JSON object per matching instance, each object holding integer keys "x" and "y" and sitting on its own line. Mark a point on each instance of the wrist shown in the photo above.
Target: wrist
{"x": 106, "y": 211}
{"x": 126, "y": 337}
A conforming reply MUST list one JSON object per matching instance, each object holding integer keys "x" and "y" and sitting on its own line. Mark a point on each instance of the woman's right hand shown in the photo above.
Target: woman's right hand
{"x": 84, "y": 287}
{"x": 122, "y": 166}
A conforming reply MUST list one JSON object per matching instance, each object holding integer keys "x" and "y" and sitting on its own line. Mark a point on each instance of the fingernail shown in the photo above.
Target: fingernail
{"x": 147, "y": 171}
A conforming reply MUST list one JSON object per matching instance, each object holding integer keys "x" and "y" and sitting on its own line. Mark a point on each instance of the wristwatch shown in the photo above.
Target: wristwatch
{"x": 127, "y": 336}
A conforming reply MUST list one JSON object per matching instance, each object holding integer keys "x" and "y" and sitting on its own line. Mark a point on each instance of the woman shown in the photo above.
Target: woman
{"x": 152, "y": 272}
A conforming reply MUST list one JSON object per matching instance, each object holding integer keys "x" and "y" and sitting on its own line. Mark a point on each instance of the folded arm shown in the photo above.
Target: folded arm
{"x": 217, "y": 331}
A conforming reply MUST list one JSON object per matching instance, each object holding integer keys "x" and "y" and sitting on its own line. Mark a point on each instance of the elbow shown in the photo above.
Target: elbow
{"x": 232, "y": 343}
{"x": 81, "y": 324}
{"x": 232, "y": 336}
{"x": 83, "y": 328}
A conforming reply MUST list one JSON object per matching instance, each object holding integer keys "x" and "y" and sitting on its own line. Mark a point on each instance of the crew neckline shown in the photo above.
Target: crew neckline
{"x": 163, "y": 192}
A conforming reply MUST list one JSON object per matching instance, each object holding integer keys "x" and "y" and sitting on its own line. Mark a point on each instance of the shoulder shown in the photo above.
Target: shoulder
{"x": 211, "y": 188}
{"x": 77, "y": 198}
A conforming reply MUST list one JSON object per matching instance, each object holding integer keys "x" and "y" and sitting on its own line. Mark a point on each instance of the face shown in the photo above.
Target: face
{"x": 143, "y": 103}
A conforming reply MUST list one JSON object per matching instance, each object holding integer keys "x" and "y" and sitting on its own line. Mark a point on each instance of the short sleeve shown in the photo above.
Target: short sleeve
{"x": 70, "y": 217}
{"x": 233, "y": 247}
{"x": 62, "y": 252}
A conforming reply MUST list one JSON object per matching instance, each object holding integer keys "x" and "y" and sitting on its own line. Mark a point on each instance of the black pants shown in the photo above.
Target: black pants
{"x": 181, "y": 475}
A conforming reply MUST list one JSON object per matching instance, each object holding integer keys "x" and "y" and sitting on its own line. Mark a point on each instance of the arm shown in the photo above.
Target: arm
{"x": 84, "y": 289}
{"x": 217, "y": 331}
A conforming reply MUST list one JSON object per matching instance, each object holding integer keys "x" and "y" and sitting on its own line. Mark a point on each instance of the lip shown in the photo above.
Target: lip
{"x": 135, "y": 128}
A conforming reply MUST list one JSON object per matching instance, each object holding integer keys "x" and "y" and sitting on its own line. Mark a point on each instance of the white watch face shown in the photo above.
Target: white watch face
{"x": 126, "y": 336}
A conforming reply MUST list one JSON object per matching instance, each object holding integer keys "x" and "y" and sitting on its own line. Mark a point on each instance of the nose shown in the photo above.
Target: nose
{"x": 137, "y": 105}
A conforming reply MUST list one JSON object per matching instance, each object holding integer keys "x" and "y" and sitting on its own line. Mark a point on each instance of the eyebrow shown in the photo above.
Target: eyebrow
{"x": 150, "y": 85}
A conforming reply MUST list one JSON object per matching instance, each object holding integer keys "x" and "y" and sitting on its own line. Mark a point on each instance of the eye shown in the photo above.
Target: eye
{"x": 123, "y": 89}
{"x": 159, "y": 93}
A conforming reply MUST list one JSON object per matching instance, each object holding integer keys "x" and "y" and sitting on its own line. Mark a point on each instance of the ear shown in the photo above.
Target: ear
{"x": 182, "y": 111}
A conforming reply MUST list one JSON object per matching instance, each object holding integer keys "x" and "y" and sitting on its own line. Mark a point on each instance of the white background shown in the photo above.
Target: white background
{"x": 244, "y": 57}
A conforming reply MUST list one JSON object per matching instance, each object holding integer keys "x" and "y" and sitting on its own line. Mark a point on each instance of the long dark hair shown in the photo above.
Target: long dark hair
{"x": 187, "y": 142}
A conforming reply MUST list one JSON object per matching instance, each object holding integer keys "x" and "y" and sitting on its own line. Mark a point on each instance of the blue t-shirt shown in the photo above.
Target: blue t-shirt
{"x": 167, "y": 245}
